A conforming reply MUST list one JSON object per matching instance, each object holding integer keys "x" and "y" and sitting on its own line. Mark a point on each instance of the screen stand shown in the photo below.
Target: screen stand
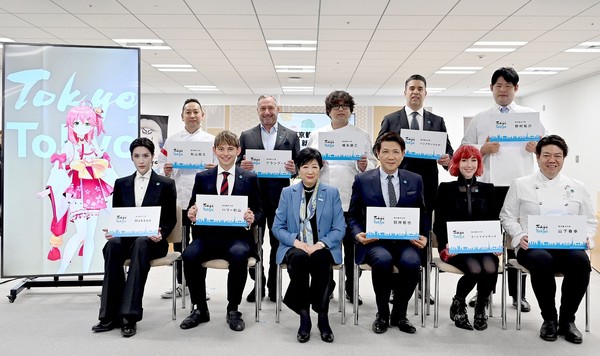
{"x": 30, "y": 282}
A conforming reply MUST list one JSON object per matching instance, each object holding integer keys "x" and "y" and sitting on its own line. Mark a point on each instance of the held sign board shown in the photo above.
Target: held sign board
{"x": 392, "y": 223}
{"x": 336, "y": 148}
{"x": 516, "y": 127}
{"x": 191, "y": 155}
{"x": 557, "y": 231}
{"x": 221, "y": 210}
{"x": 474, "y": 237}
{"x": 424, "y": 144}
{"x": 137, "y": 221}
{"x": 270, "y": 163}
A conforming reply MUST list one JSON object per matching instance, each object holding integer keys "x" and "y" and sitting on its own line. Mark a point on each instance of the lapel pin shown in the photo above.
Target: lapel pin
{"x": 404, "y": 181}
{"x": 240, "y": 176}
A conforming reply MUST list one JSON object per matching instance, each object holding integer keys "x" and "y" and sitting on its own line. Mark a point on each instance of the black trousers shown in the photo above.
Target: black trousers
{"x": 123, "y": 297}
{"x": 382, "y": 256}
{"x": 479, "y": 269}
{"x": 309, "y": 280}
{"x": 269, "y": 213}
{"x": 543, "y": 264}
{"x": 235, "y": 251}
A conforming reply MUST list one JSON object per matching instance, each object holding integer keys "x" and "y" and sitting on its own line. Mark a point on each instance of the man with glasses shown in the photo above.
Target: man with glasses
{"x": 339, "y": 105}
{"x": 269, "y": 135}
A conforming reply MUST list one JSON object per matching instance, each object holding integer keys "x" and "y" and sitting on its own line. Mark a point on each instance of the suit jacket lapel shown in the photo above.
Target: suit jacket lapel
{"x": 281, "y": 136}
{"x": 256, "y": 135}
{"x": 376, "y": 188}
{"x": 296, "y": 198}
{"x": 128, "y": 192}
{"x": 238, "y": 186}
{"x": 403, "y": 120}
{"x": 321, "y": 196}
{"x": 152, "y": 191}
{"x": 426, "y": 120}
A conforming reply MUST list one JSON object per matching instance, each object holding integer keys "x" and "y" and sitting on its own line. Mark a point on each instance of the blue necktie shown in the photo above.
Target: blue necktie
{"x": 503, "y": 110}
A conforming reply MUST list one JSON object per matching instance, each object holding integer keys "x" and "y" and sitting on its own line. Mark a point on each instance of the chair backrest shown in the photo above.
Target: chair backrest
{"x": 175, "y": 235}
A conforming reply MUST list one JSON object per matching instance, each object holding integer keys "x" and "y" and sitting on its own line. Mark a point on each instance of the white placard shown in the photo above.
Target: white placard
{"x": 336, "y": 147}
{"x": 474, "y": 236}
{"x": 557, "y": 231}
{"x": 516, "y": 127}
{"x": 134, "y": 221}
{"x": 392, "y": 223}
{"x": 221, "y": 210}
{"x": 191, "y": 155}
{"x": 424, "y": 144}
{"x": 270, "y": 163}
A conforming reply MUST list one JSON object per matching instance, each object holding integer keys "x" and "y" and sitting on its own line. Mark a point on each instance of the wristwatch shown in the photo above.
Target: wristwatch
{"x": 322, "y": 244}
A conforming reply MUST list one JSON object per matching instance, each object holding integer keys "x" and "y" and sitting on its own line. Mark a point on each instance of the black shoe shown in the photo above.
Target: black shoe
{"x": 128, "y": 329}
{"x": 405, "y": 326}
{"x": 548, "y": 330}
{"x": 235, "y": 321}
{"x": 324, "y": 328}
{"x": 304, "y": 328}
{"x": 380, "y": 325}
{"x": 525, "y": 307}
{"x": 350, "y": 298}
{"x": 195, "y": 318}
{"x": 472, "y": 301}
{"x": 251, "y": 298}
{"x": 458, "y": 313}
{"x": 105, "y": 326}
{"x": 571, "y": 333}
{"x": 431, "y": 300}
{"x": 480, "y": 318}
{"x": 303, "y": 337}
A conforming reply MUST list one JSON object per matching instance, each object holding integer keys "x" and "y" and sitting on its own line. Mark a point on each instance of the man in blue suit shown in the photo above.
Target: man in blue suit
{"x": 121, "y": 300}
{"x": 233, "y": 244}
{"x": 379, "y": 188}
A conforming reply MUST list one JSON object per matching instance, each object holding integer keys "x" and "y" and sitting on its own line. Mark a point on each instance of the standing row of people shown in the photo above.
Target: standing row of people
{"x": 307, "y": 222}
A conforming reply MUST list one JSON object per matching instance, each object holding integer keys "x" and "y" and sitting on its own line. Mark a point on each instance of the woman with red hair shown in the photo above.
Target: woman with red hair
{"x": 466, "y": 199}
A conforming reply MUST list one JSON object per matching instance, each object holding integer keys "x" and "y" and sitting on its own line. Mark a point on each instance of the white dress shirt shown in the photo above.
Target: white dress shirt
{"x": 409, "y": 116}
{"x": 384, "y": 186}
{"x": 230, "y": 179}
{"x": 140, "y": 185}
{"x": 269, "y": 138}
{"x": 535, "y": 194}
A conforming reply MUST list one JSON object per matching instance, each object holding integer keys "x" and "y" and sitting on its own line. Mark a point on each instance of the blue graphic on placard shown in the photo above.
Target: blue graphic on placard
{"x": 412, "y": 154}
{"x": 558, "y": 245}
{"x": 195, "y": 166}
{"x": 342, "y": 157}
{"x": 504, "y": 138}
{"x": 392, "y": 235}
{"x": 221, "y": 222}
{"x": 284, "y": 174}
{"x": 471, "y": 249}
{"x": 129, "y": 233}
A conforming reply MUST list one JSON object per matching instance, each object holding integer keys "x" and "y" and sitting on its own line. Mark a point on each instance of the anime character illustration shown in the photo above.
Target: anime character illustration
{"x": 81, "y": 180}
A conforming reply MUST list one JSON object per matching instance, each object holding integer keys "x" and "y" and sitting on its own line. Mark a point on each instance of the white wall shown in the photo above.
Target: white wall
{"x": 573, "y": 112}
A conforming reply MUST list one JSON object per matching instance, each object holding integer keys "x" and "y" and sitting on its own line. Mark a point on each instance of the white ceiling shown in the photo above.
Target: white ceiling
{"x": 367, "y": 47}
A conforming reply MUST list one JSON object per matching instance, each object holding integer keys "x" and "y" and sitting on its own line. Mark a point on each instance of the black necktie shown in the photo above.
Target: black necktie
{"x": 225, "y": 184}
{"x": 391, "y": 191}
{"x": 414, "y": 124}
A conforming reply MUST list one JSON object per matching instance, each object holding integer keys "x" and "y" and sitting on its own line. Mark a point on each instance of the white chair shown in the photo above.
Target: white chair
{"x": 341, "y": 290}
{"x": 170, "y": 258}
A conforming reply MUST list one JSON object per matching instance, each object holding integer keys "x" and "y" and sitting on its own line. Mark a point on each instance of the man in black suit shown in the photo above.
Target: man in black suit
{"x": 379, "y": 188}
{"x": 415, "y": 90}
{"x": 233, "y": 244}
{"x": 269, "y": 135}
{"x": 121, "y": 300}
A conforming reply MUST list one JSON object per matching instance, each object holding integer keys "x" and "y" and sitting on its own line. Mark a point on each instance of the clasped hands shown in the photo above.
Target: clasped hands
{"x": 193, "y": 210}
{"x": 421, "y": 242}
{"x": 306, "y": 247}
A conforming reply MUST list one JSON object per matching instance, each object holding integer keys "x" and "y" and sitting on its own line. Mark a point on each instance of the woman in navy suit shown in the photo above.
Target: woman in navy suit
{"x": 309, "y": 224}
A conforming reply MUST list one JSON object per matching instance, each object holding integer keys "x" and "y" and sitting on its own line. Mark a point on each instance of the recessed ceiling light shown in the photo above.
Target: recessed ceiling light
{"x": 202, "y": 87}
{"x": 172, "y": 66}
{"x": 284, "y": 42}
{"x": 489, "y": 49}
{"x": 461, "y": 68}
{"x": 298, "y": 89}
{"x": 455, "y": 72}
{"x": 552, "y": 69}
{"x": 290, "y": 48}
{"x": 156, "y": 44}
{"x": 499, "y": 43}
{"x": 292, "y": 45}
{"x": 177, "y": 70}
{"x": 295, "y": 69}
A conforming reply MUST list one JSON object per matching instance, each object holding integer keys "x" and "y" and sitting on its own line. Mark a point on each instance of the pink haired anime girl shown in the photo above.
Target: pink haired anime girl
{"x": 80, "y": 182}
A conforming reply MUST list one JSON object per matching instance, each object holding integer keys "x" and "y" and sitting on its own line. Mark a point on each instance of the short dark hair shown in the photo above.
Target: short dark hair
{"x": 388, "y": 137}
{"x": 415, "y": 77}
{"x": 191, "y": 100}
{"x": 226, "y": 137}
{"x": 142, "y": 142}
{"x": 334, "y": 99}
{"x": 509, "y": 74}
{"x": 306, "y": 155}
{"x": 551, "y": 140}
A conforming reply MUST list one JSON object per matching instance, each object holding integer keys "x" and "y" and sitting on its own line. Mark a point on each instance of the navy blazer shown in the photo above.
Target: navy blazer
{"x": 246, "y": 183}
{"x": 286, "y": 140}
{"x": 330, "y": 219}
{"x": 426, "y": 168}
{"x": 160, "y": 192}
{"x": 366, "y": 191}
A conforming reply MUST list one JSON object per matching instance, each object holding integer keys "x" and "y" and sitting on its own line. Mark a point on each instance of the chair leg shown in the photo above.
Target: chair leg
{"x": 342, "y": 289}
{"x": 503, "y": 306}
{"x": 257, "y": 290}
{"x": 355, "y": 293}
{"x": 491, "y": 305}
{"x": 519, "y": 296}
{"x": 278, "y": 294}
{"x": 174, "y": 300}
{"x": 184, "y": 239}
{"x": 587, "y": 309}
{"x": 436, "y": 303}
{"x": 428, "y": 285}
{"x": 417, "y": 299}
{"x": 423, "y": 297}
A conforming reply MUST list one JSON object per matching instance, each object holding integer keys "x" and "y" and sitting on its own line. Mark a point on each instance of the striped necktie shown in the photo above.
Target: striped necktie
{"x": 225, "y": 184}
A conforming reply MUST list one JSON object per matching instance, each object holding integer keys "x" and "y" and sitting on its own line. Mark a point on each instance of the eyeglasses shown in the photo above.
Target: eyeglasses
{"x": 340, "y": 107}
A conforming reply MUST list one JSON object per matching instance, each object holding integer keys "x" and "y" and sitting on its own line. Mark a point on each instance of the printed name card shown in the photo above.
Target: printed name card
{"x": 191, "y": 155}
{"x": 516, "y": 127}
{"x": 474, "y": 237}
{"x": 221, "y": 210}
{"x": 137, "y": 221}
{"x": 392, "y": 223}
{"x": 270, "y": 164}
{"x": 335, "y": 147}
{"x": 424, "y": 144}
{"x": 557, "y": 231}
